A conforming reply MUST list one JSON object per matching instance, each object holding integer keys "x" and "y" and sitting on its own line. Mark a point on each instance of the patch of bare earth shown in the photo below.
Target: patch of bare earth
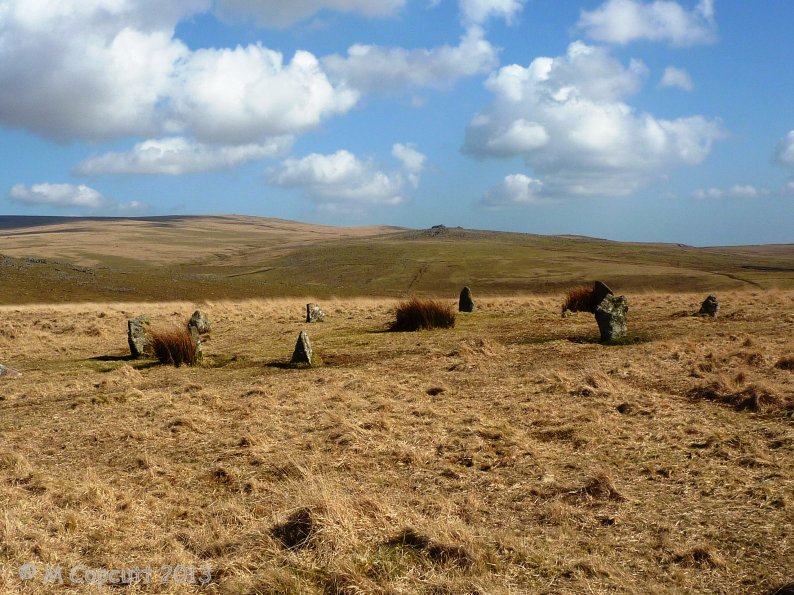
{"x": 509, "y": 454}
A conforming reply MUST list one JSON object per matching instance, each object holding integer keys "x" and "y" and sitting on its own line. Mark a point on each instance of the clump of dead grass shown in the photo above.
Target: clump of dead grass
{"x": 417, "y": 314}
{"x": 436, "y": 551}
{"x": 579, "y": 299}
{"x": 173, "y": 346}
{"x": 700, "y": 556}
{"x": 785, "y": 363}
{"x": 755, "y": 397}
{"x": 297, "y": 530}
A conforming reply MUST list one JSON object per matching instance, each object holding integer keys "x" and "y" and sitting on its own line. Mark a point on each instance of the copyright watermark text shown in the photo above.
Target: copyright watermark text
{"x": 81, "y": 574}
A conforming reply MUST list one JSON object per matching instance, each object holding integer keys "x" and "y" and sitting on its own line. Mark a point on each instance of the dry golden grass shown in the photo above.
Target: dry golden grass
{"x": 510, "y": 454}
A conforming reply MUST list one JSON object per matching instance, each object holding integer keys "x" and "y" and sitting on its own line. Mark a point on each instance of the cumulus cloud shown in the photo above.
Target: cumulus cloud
{"x": 179, "y": 155}
{"x": 515, "y": 190}
{"x": 568, "y": 118}
{"x": 677, "y": 77}
{"x": 477, "y": 12}
{"x": 281, "y": 13}
{"x": 98, "y": 69}
{"x": 412, "y": 160}
{"x": 785, "y": 150}
{"x": 340, "y": 179}
{"x": 243, "y": 94}
{"x": 377, "y": 68}
{"x": 624, "y": 21}
{"x": 69, "y": 196}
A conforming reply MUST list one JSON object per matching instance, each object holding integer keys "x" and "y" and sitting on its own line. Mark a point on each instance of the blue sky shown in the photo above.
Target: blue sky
{"x": 627, "y": 119}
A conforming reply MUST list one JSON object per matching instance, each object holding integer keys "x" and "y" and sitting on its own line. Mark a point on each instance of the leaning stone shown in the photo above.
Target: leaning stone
{"x": 200, "y": 321}
{"x": 195, "y": 338}
{"x": 600, "y": 291}
{"x": 466, "y": 301}
{"x": 314, "y": 313}
{"x": 136, "y": 335}
{"x": 611, "y": 316}
{"x": 303, "y": 350}
{"x": 709, "y": 307}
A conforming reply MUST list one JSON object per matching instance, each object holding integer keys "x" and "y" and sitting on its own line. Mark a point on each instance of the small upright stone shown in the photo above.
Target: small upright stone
{"x": 303, "y": 351}
{"x": 314, "y": 313}
{"x": 200, "y": 321}
{"x": 195, "y": 338}
{"x": 136, "y": 335}
{"x": 709, "y": 307}
{"x": 600, "y": 291}
{"x": 611, "y": 316}
{"x": 466, "y": 301}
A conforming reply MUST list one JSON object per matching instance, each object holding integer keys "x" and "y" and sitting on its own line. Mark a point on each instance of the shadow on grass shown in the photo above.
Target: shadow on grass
{"x": 630, "y": 339}
{"x": 137, "y": 363}
{"x": 113, "y": 358}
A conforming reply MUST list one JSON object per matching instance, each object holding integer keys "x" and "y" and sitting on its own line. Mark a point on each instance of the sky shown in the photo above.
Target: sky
{"x": 633, "y": 120}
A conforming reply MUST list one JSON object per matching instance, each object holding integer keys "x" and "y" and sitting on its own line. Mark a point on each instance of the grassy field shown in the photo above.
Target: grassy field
{"x": 196, "y": 258}
{"x": 509, "y": 454}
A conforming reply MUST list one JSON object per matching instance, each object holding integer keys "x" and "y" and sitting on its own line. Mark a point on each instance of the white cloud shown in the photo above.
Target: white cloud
{"x": 785, "y": 150}
{"x": 624, "y": 21}
{"x": 178, "y": 155}
{"x": 567, "y": 117}
{"x": 477, "y": 12}
{"x": 98, "y": 69}
{"x": 58, "y": 195}
{"x": 677, "y": 77}
{"x": 248, "y": 93}
{"x": 735, "y": 191}
{"x": 515, "y": 190}
{"x": 340, "y": 179}
{"x": 69, "y": 196}
{"x": 521, "y": 136}
{"x": 412, "y": 160}
{"x": 95, "y": 69}
{"x": 377, "y": 68}
{"x": 282, "y": 13}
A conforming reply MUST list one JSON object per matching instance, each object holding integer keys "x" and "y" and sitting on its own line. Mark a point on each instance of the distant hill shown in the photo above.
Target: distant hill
{"x": 56, "y": 259}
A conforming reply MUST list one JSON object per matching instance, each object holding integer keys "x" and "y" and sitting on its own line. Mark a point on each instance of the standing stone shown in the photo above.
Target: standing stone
{"x": 466, "y": 302}
{"x": 303, "y": 350}
{"x": 314, "y": 313}
{"x": 600, "y": 291}
{"x": 709, "y": 307}
{"x": 611, "y": 316}
{"x": 136, "y": 335}
{"x": 200, "y": 321}
{"x": 195, "y": 338}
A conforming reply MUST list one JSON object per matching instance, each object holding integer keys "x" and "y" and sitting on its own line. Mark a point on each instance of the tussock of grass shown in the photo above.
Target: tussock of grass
{"x": 439, "y": 553}
{"x": 580, "y": 299}
{"x": 422, "y": 314}
{"x": 700, "y": 556}
{"x": 297, "y": 530}
{"x": 757, "y": 398}
{"x": 173, "y": 346}
{"x": 785, "y": 363}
